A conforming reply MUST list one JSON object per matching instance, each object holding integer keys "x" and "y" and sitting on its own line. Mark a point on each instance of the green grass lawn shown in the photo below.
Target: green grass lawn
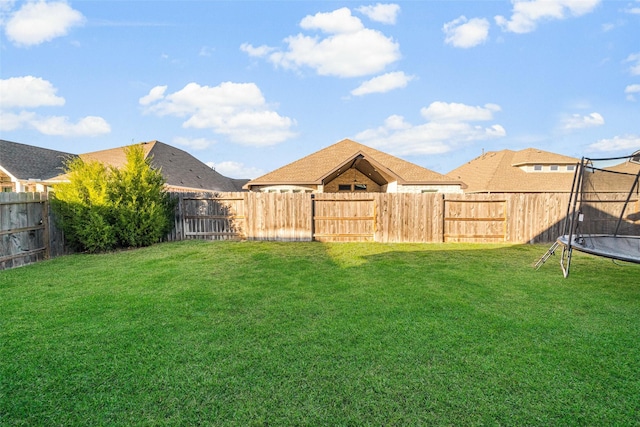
{"x": 265, "y": 333}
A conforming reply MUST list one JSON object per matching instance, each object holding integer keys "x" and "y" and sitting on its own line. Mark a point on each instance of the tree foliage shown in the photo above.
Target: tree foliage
{"x": 102, "y": 208}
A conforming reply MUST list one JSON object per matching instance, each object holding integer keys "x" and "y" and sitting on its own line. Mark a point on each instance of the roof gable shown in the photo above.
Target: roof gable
{"x": 319, "y": 166}
{"x": 116, "y": 157}
{"x": 179, "y": 168}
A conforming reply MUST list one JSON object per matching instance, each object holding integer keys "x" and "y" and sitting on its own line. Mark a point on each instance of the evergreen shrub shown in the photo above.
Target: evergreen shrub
{"x": 103, "y": 208}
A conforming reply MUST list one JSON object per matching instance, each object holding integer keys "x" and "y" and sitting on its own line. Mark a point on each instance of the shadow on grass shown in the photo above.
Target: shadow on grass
{"x": 256, "y": 333}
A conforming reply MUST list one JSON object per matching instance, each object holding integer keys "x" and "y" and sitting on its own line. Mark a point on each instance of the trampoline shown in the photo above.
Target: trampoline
{"x": 603, "y": 215}
{"x": 622, "y": 248}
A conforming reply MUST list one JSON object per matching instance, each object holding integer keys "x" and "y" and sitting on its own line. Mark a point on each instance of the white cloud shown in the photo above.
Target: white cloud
{"x": 5, "y": 8}
{"x": 337, "y": 22}
{"x": 194, "y": 143}
{"x": 348, "y": 49}
{"x": 61, "y": 126}
{"x": 155, "y": 94}
{"x": 634, "y": 10}
{"x": 38, "y": 22}
{"x": 456, "y": 112}
{"x": 206, "y": 51}
{"x": 466, "y": 33}
{"x": 259, "y": 52}
{"x": 634, "y": 59}
{"x": 12, "y": 121}
{"x": 384, "y": 13}
{"x": 383, "y": 83}
{"x": 576, "y": 121}
{"x": 631, "y": 90}
{"x": 237, "y": 110}
{"x": 527, "y": 13}
{"x": 29, "y": 92}
{"x": 617, "y": 143}
{"x": 55, "y": 125}
{"x": 236, "y": 170}
{"x": 448, "y": 126}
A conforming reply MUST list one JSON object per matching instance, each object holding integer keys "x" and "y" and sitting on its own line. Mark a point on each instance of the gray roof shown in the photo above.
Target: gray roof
{"x": 181, "y": 169}
{"x": 28, "y": 162}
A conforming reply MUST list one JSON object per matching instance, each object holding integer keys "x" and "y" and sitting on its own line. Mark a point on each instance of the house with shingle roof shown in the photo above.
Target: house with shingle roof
{"x": 25, "y": 168}
{"x": 348, "y": 166}
{"x": 525, "y": 171}
{"x": 28, "y": 168}
{"x": 181, "y": 171}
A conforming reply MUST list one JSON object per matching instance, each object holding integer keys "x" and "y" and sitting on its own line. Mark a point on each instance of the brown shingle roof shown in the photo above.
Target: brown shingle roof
{"x": 180, "y": 169}
{"x": 626, "y": 167}
{"x": 313, "y": 168}
{"x": 500, "y": 172}
{"x": 115, "y": 157}
{"x": 533, "y": 156}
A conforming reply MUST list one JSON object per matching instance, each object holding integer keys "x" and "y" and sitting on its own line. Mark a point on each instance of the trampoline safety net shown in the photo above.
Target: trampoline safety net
{"x": 603, "y": 216}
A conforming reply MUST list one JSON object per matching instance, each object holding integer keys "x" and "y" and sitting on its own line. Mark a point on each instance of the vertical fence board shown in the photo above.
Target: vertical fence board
{"x": 28, "y": 231}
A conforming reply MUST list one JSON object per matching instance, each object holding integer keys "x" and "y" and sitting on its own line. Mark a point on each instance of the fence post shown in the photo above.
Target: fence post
{"x": 313, "y": 215}
{"x": 45, "y": 222}
{"x": 441, "y": 208}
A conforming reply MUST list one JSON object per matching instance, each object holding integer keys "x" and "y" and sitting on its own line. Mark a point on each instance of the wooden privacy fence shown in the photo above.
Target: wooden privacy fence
{"x": 27, "y": 231}
{"x": 380, "y": 217}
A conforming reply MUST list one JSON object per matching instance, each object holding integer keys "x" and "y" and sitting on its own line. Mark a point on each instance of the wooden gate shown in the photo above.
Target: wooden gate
{"x": 342, "y": 219}
{"x": 478, "y": 221}
{"x": 24, "y": 229}
{"x": 210, "y": 217}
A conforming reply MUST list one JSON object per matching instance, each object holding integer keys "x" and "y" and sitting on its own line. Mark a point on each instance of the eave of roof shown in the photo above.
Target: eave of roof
{"x": 321, "y": 164}
{"x": 534, "y": 156}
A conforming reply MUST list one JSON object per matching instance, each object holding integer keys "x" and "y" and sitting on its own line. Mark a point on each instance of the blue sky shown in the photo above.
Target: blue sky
{"x": 249, "y": 86}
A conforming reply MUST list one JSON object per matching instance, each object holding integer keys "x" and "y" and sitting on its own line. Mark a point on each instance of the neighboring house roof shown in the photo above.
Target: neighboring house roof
{"x": 327, "y": 163}
{"x": 179, "y": 168}
{"x": 502, "y": 172}
{"x": 25, "y": 162}
{"x": 533, "y": 156}
{"x": 626, "y": 167}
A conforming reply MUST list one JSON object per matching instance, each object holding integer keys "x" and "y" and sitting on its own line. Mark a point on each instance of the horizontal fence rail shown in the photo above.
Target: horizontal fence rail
{"x": 380, "y": 217}
{"x": 28, "y": 232}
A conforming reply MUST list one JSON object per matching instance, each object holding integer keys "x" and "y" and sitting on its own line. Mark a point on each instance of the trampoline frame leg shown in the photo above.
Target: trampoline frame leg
{"x": 566, "y": 254}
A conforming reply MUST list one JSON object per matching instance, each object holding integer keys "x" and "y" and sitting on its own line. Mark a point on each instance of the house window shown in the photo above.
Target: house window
{"x": 344, "y": 187}
{"x": 553, "y": 168}
{"x": 359, "y": 187}
{"x": 571, "y": 167}
{"x": 429, "y": 191}
{"x": 537, "y": 168}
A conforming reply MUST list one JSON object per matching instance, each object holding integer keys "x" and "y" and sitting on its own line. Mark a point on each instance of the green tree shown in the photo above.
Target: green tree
{"x": 83, "y": 208}
{"x": 103, "y": 208}
{"x": 143, "y": 210}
